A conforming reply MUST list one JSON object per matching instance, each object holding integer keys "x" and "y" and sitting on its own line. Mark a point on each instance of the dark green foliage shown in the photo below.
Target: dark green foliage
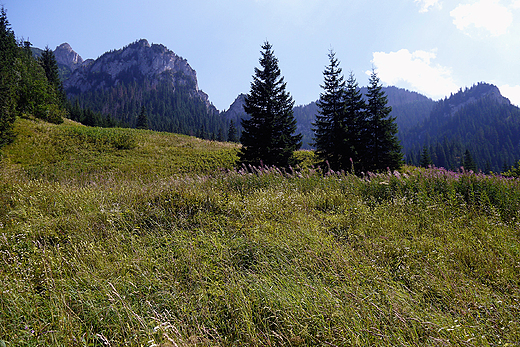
{"x": 232, "y": 132}
{"x": 220, "y": 135}
{"x": 514, "y": 171}
{"x": 426, "y": 160}
{"x": 8, "y": 52}
{"x": 477, "y": 119}
{"x": 50, "y": 66}
{"x": 356, "y": 121}
{"x": 170, "y": 107}
{"x": 305, "y": 116}
{"x": 91, "y": 118}
{"x": 409, "y": 108}
{"x": 331, "y": 140}
{"x": 268, "y": 136}
{"x": 351, "y": 134}
{"x": 24, "y": 88}
{"x": 383, "y": 148}
{"x": 142, "y": 119}
{"x": 35, "y": 96}
{"x": 468, "y": 162}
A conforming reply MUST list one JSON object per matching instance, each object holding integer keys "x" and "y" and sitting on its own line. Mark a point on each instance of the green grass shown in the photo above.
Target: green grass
{"x": 160, "y": 244}
{"x": 73, "y": 151}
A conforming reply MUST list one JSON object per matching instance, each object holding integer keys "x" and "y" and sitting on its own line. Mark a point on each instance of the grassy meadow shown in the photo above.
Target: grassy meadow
{"x": 114, "y": 237}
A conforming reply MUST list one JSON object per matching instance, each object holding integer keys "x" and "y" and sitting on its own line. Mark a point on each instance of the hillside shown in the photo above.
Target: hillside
{"x": 478, "y": 119}
{"x": 120, "y": 82}
{"x": 53, "y": 152}
{"x": 132, "y": 237}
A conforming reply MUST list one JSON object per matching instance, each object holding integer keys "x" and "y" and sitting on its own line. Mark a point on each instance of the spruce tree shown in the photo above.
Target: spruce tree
{"x": 330, "y": 130}
{"x": 356, "y": 124}
{"x": 468, "y": 163}
{"x": 50, "y": 66}
{"x": 426, "y": 160}
{"x": 8, "y": 52}
{"x": 269, "y": 135}
{"x": 232, "y": 132}
{"x": 220, "y": 135}
{"x": 383, "y": 148}
{"x": 142, "y": 119}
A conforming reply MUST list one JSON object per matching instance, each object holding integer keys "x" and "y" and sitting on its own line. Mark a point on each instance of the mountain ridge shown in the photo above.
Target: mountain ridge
{"x": 153, "y": 62}
{"x": 120, "y": 82}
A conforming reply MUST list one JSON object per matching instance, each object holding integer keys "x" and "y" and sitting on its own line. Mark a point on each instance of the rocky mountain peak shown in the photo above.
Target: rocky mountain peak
{"x": 137, "y": 62}
{"x": 473, "y": 94}
{"x": 65, "y": 55}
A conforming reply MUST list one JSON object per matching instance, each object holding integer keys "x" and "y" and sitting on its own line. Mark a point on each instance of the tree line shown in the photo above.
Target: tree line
{"x": 29, "y": 87}
{"x": 350, "y": 134}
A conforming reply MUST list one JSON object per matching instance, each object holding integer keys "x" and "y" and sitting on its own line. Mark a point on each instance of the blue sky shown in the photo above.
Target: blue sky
{"x": 433, "y": 47}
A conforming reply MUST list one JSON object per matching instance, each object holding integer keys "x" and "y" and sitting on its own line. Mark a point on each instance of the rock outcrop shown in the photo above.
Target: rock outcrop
{"x": 137, "y": 62}
{"x": 66, "y": 56}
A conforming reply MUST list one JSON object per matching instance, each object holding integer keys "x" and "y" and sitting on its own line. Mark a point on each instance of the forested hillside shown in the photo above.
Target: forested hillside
{"x": 478, "y": 120}
{"x": 121, "y": 82}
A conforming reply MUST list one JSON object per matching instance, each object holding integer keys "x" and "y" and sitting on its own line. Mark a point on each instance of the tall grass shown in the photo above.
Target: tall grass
{"x": 257, "y": 257}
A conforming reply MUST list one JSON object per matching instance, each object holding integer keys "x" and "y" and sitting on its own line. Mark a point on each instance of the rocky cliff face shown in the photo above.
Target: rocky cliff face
{"x": 136, "y": 62}
{"x": 67, "y": 57}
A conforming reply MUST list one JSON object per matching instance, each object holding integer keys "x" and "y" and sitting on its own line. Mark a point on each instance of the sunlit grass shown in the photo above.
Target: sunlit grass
{"x": 217, "y": 257}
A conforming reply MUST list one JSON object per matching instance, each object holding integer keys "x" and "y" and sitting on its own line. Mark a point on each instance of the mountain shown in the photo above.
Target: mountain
{"x": 477, "y": 119}
{"x": 236, "y": 113}
{"x": 67, "y": 60}
{"x": 120, "y": 82}
{"x": 409, "y": 108}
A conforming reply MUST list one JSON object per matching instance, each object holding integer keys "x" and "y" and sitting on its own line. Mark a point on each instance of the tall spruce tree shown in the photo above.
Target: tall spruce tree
{"x": 383, "y": 147}
{"x": 232, "y": 132}
{"x": 269, "y": 135}
{"x": 330, "y": 130}
{"x": 50, "y": 66}
{"x": 142, "y": 119}
{"x": 8, "y": 52}
{"x": 426, "y": 160}
{"x": 356, "y": 124}
{"x": 468, "y": 163}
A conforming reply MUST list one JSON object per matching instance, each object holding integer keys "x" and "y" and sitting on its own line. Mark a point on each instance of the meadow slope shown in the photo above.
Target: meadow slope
{"x": 112, "y": 237}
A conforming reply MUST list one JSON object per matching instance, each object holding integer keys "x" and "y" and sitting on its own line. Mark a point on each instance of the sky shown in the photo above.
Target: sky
{"x": 434, "y": 47}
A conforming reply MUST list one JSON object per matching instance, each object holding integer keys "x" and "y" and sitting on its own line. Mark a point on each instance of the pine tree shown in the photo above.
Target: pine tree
{"x": 356, "y": 124}
{"x": 426, "y": 160}
{"x": 142, "y": 119}
{"x": 50, "y": 66}
{"x": 8, "y": 51}
{"x": 330, "y": 132}
{"x": 468, "y": 163}
{"x": 383, "y": 148}
{"x": 232, "y": 132}
{"x": 220, "y": 135}
{"x": 268, "y": 136}
{"x": 34, "y": 95}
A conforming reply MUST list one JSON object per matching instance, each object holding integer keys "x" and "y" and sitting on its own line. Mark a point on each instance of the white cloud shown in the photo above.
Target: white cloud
{"x": 426, "y": 4}
{"x": 515, "y": 4}
{"x": 415, "y": 69}
{"x": 486, "y": 14}
{"x": 512, "y": 93}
